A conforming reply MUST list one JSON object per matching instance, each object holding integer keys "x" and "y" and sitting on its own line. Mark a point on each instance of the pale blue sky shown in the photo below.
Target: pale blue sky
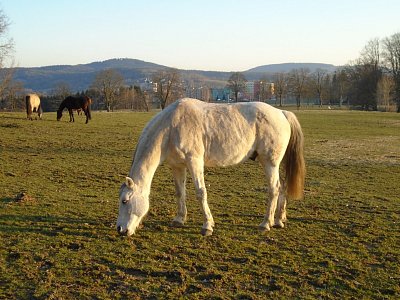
{"x": 225, "y": 35}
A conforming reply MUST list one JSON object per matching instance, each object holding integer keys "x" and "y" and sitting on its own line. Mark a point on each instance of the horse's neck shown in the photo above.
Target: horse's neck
{"x": 62, "y": 106}
{"x": 147, "y": 158}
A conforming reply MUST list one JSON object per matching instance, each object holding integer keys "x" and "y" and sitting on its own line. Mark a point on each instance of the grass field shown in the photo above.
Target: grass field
{"x": 59, "y": 186}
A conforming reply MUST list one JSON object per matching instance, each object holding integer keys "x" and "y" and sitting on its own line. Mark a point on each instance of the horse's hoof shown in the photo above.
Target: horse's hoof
{"x": 279, "y": 224}
{"x": 206, "y": 232}
{"x": 263, "y": 228}
{"x": 175, "y": 223}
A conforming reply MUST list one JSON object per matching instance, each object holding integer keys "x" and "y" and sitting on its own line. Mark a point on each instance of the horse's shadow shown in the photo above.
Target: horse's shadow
{"x": 49, "y": 225}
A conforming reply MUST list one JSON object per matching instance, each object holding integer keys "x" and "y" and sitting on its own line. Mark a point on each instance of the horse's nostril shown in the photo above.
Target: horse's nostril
{"x": 121, "y": 231}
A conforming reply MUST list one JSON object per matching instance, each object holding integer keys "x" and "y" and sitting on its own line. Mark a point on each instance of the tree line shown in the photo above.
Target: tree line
{"x": 371, "y": 82}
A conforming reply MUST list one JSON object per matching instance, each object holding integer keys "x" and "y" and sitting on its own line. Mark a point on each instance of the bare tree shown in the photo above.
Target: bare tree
{"x": 237, "y": 83}
{"x": 340, "y": 85}
{"x": 298, "y": 79}
{"x": 318, "y": 83}
{"x": 6, "y": 44}
{"x": 391, "y": 53}
{"x": 371, "y": 53}
{"x": 169, "y": 88}
{"x": 14, "y": 95}
{"x": 6, "y": 51}
{"x": 265, "y": 90}
{"x": 141, "y": 98}
{"x": 61, "y": 91}
{"x": 280, "y": 86}
{"x": 385, "y": 92}
{"x": 108, "y": 83}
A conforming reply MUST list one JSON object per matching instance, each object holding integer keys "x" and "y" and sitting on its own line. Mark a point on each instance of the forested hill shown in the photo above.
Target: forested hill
{"x": 80, "y": 77}
{"x": 286, "y": 67}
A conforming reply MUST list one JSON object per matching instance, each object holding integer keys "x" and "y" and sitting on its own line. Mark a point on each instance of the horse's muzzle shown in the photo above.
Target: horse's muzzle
{"x": 122, "y": 231}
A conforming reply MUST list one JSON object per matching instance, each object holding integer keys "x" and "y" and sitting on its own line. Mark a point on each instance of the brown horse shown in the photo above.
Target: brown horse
{"x": 75, "y": 103}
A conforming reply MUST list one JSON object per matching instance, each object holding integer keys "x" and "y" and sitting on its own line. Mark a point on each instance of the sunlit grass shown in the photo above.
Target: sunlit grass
{"x": 340, "y": 241}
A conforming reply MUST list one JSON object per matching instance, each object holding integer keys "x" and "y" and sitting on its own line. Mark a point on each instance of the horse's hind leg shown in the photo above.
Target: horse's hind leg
{"x": 280, "y": 213}
{"x": 87, "y": 116}
{"x": 180, "y": 195}
{"x": 196, "y": 168}
{"x": 272, "y": 174}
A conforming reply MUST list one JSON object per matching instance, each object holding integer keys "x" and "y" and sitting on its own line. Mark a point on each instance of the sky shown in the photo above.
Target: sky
{"x": 217, "y": 35}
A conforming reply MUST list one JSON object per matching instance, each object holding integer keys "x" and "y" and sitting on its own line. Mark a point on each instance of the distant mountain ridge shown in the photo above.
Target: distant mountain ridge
{"x": 80, "y": 77}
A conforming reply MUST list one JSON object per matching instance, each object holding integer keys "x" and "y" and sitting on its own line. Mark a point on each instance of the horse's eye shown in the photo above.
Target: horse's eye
{"x": 124, "y": 201}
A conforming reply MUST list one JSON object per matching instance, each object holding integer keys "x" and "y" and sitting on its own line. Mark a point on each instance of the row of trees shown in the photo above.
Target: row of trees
{"x": 370, "y": 82}
{"x": 108, "y": 91}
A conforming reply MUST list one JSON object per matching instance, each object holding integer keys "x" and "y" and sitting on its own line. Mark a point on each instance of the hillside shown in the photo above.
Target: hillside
{"x": 80, "y": 77}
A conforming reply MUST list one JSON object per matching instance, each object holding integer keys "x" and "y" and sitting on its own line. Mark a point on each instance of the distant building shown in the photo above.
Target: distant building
{"x": 148, "y": 86}
{"x": 220, "y": 94}
{"x": 249, "y": 91}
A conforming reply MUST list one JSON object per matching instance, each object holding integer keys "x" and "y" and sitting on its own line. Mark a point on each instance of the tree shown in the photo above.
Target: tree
{"x": 108, "y": 83}
{"x": 318, "y": 82}
{"x": 364, "y": 76}
{"x": 298, "y": 79}
{"x": 385, "y": 92}
{"x": 6, "y": 50}
{"x": 62, "y": 90}
{"x": 370, "y": 59}
{"x": 339, "y": 86}
{"x": 168, "y": 83}
{"x": 140, "y": 98}
{"x": 14, "y": 96}
{"x": 280, "y": 86}
{"x": 391, "y": 53}
{"x": 237, "y": 84}
{"x": 265, "y": 90}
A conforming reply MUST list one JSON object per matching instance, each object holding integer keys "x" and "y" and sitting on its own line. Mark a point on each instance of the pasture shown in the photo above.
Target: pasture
{"x": 59, "y": 185}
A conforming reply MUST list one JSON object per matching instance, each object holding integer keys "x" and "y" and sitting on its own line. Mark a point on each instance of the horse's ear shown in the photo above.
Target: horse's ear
{"x": 129, "y": 183}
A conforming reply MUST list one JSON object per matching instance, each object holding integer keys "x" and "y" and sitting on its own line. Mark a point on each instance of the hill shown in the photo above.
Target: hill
{"x": 80, "y": 77}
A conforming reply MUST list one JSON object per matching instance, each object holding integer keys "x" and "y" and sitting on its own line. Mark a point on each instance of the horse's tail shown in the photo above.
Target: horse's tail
{"x": 294, "y": 159}
{"x": 28, "y": 105}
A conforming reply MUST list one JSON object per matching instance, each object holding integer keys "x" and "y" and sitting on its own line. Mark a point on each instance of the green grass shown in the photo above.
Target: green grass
{"x": 60, "y": 242}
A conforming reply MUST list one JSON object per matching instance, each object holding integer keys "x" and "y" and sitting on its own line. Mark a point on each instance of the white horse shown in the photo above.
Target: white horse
{"x": 32, "y": 102}
{"x": 191, "y": 134}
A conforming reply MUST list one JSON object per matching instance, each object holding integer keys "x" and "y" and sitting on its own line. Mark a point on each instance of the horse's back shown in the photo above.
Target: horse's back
{"x": 72, "y": 102}
{"x": 33, "y": 100}
{"x": 225, "y": 134}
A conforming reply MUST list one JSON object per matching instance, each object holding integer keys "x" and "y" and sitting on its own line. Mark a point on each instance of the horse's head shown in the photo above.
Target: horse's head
{"x": 59, "y": 115}
{"x": 132, "y": 208}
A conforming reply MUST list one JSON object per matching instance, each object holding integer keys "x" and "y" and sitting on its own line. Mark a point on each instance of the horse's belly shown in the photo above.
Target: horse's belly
{"x": 222, "y": 155}
{"x": 223, "y": 161}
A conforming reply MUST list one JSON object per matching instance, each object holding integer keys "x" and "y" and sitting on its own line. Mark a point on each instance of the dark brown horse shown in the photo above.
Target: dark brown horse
{"x": 75, "y": 103}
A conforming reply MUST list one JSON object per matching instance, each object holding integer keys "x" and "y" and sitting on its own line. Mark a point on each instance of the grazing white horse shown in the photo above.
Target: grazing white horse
{"x": 191, "y": 134}
{"x": 32, "y": 102}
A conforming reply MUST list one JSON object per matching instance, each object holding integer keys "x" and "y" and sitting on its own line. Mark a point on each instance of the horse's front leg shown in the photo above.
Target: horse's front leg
{"x": 272, "y": 174}
{"x": 71, "y": 115}
{"x": 196, "y": 168}
{"x": 180, "y": 195}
